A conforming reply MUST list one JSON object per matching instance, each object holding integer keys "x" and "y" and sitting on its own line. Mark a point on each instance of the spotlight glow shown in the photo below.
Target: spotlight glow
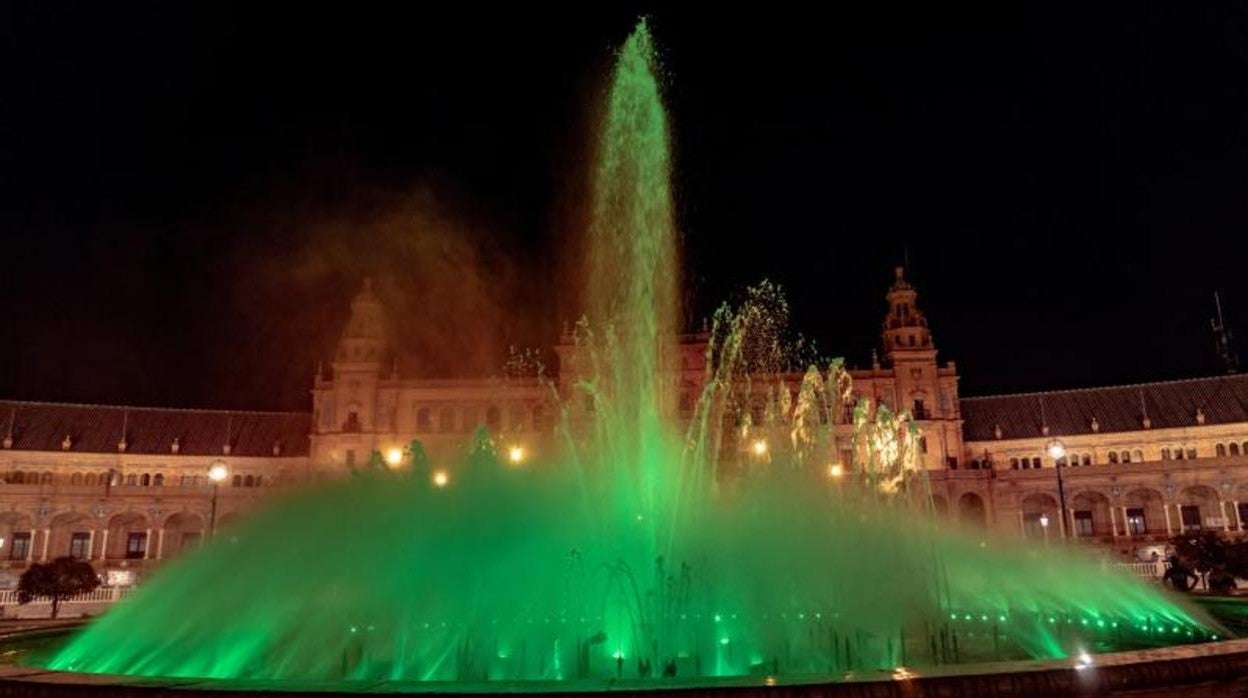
{"x": 441, "y": 479}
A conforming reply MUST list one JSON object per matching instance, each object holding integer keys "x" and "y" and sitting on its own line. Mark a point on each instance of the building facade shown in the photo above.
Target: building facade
{"x": 126, "y": 488}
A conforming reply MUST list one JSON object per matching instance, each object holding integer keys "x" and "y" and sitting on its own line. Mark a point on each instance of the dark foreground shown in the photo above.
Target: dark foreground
{"x": 1214, "y": 669}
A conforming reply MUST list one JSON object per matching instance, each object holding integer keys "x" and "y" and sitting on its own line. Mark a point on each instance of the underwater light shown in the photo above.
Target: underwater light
{"x": 759, "y": 447}
{"x": 836, "y": 470}
{"x": 515, "y": 455}
{"x": 440, "y": 478}
{"x": 394, "y": 457}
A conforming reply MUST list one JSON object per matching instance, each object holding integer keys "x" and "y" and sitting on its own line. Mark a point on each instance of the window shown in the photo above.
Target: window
{"x": 1243, "y": 515}
{"x": 916, "y": 373}
{"x": 249, "y": 481}
{"x": 146, "y": 480}
{"x": 158, "y": 480}
{"x": 951, "y": 462}
{"x": 424, "y": 420}
{"x": 21, "y": 546}
{"x": 80, "y": 545}
{"x": 1136, "y": 525}
{"x": 1234, "y": 449}
{"x": 1087, "y": 459}
{"x": 1190, "y": 514}
{"x": 1165, "y": 454}
{"x": 136, "y": 545}
{"x": 75, "y": 479}
{"x": 1178, "y": 454}
{"x": 1220, "y": 450}
{"x": 89, "y": 481}
{"x": 238, "y": 480}
{"x": 446, "y": 420}
{"x": 1138, "y": 455}
{"x": 1032, "y": 526}
{"x": 1083, "y": 523}
{"x": 1245, "y": 448}
{"x": 353, "y": 420}
{"x": 974, "y": 464}
{"x": 1035, "y": 462}
{"x": 920, "y": 412}
{"x": 1125, "y": 456}
{"x": 1113, "y": 457}
{"x": 1191, "y": 453}
{"x": 132, "y": 480}
{"x": 1013, "y": 464}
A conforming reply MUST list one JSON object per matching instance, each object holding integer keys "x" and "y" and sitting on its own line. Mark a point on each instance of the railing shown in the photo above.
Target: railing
{"x": 1144, "y": 570}
{"x": 8, "y": 597}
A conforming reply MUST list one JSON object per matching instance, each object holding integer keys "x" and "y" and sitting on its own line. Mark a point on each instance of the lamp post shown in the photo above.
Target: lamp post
{"x": 217, "y": 472}
{"x": 1057, "y": 451}
{"x": 1044, "y": 526}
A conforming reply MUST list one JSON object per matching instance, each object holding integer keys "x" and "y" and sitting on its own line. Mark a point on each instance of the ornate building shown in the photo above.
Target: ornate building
{"x": 126, "y": 487}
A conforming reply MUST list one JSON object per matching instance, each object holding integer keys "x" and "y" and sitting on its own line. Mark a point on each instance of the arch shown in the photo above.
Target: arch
{"x": 249, "y": 481}
{"x": 1234, "y": 449}
{"x": 1091, "y": 515}
{"x": 1125, "y": 457}
{"x": 1087, "y": 459}
{"x": 72, "y": 534}
{"x": 145, "y": 480}
{"x": 132, "y": 480}
{"x": 1039, "y": 515}
{"x": 1245, "y": 448}
{"x": 971, "y": 510}
{"x": 236, "y": 481}
{"x": 424, "y": 420}
{"x": 1219, "y": 450}
{"x": 15, "y": 478}
{"x": 75, "y": 479}
{"x": 1113, "y": 457}
{"x": 127, "y": 536}
{"x": 184, "y": 530}
{"x": 1013, "y": 464}
{"x": 158, "y": 480}
{"x": 46, "y": 478}
{"x": 1145, "y": 511}
{"x": 1138, "y": 455}
{"x": 1197, "y": 505}
{"x": 89, "y": 480}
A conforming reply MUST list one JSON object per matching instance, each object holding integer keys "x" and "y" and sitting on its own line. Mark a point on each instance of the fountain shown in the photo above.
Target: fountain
{"x": 638, "y": 555}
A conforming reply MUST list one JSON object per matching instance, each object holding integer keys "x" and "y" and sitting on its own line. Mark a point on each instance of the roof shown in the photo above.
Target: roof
{"x": 43, "y": 426}
{"x": 1168, "y": 404}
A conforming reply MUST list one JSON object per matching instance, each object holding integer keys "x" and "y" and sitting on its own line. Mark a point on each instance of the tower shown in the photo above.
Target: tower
{"x": 348, "y": 403}
{"x": 905, "y": 329}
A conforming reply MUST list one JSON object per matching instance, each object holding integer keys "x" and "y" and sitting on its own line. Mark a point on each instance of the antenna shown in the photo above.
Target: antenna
{"x": 1222, "y": 337}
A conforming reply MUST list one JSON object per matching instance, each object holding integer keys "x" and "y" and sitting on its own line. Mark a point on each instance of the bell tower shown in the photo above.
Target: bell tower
{"x": 905, "y": 328}
{"x": 348, "y": 402}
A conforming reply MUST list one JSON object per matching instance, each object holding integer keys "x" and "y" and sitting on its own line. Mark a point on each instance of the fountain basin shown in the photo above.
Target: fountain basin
{"x": 1208, "y": 669}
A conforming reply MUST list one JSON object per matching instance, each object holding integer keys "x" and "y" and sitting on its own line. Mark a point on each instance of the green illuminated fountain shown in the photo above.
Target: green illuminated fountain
{"x": 638, "y": 552}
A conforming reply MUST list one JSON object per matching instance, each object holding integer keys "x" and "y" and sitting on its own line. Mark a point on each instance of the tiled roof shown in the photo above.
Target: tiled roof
{"x": 1221, "y": 399}
{"x": 43, "y": 426}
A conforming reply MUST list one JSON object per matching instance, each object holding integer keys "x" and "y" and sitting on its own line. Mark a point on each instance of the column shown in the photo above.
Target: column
{"x": 147, "y": 544}
{"x": 1061, "y": 518}
{"x": 1022, "y": 524}
{"x": 1166, "y": 508}
{"x": 1113, "y": 521}
{"x": 1226, "y": 520}
{"x": 47, "y": 535}
{"x": 1239, "y": 523}
{"x": 91, "y": 544}
{"x": 1126, "y": 522}
{"x": 104, "y": 545}
{"x": 160, "y": 543}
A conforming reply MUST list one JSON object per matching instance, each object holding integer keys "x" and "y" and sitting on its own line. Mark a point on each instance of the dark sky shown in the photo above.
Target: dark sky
{"x": 190, "y": 196}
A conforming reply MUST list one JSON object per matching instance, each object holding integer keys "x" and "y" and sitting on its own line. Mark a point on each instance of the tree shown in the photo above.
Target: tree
{"x": 58, "y": 580}
{"x": 1202, "y": 552}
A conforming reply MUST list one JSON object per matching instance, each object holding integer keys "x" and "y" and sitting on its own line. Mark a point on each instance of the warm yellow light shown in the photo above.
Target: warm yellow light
{"x": 440, "y": 478}
{"x": 759, "y": 447}
{"x": 1057, "y": 449}
{"x": 836, "y": 470}
{"x": 394, "y": 457}
{"x": 515, "y": 454}
{"x": 218, "y": 472}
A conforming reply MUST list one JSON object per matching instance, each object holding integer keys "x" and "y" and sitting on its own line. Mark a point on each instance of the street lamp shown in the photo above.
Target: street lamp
{"x": 759, "y": 447}
{"x": 217, "y": 472}
{"x": 515, "y": 454}
{"x": 440, "y": 479}
{"x": 1057, "y": 451}
{"x": 394, "y": 457}
{"x": 1044, "y": 526}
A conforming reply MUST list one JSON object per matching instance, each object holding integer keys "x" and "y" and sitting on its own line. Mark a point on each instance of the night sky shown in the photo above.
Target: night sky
{"x": 189, "y": 197}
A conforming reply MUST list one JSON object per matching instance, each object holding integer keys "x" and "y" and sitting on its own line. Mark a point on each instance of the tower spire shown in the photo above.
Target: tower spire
{"x": 905, "y": 327}
{"x": 1222, "y": 337}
